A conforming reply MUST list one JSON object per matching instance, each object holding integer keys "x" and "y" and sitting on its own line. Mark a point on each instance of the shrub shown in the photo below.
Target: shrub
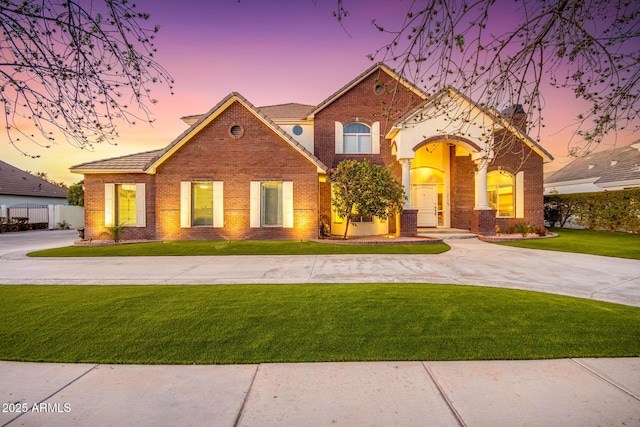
{"x": 12, "y": 225}
{"x": 522, "y": 228}
{"x": 64, "y": 225}
{"x": 115, "y": 231}
{"x": 539, "y": 230}
{"x": 610, "y": 210}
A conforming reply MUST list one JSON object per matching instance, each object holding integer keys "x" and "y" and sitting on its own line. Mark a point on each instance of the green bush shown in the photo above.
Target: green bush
{"x": 522, "y": 228}
{"x": 609, "y": 210}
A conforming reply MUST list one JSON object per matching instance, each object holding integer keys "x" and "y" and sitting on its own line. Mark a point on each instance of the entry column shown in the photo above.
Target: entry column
{"x": 406, "y": 181}
{"x": 482, "y": 198}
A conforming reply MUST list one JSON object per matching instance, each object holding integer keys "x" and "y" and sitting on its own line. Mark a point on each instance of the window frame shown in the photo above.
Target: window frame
{"x": 495, "y": 189}
{"x": 359, "y": 136}
{"x": 266, "y": 186}
{"x": 113, "y": 204}
{"x": 187, "y": 209}
{"x": 256, "y": 198}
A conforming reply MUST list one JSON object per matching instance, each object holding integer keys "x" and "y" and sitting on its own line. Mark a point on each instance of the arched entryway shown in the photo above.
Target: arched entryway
{"x": 429, "y": 178}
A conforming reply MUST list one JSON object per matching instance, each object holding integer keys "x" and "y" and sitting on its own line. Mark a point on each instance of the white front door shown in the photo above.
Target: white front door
{"x": 425, "y": 199}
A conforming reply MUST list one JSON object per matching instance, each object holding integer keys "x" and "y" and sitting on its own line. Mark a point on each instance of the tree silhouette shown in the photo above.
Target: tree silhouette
{"x": 75, "y": 67}
{"x": 501, "y": 52}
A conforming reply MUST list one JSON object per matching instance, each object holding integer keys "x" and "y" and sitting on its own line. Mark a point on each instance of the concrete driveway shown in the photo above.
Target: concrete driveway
{"x": 565, "y": 392}
{"x": 469, "y": 262}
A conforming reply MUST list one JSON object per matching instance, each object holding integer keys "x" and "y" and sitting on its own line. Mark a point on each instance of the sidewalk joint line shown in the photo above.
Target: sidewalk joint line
{"x": 605, "y": 379}
{"x": 444, "y": 396}
{"x": 246, "y": 397}
{"x": 52, "y": 394}
{"x": 313, "y": 267}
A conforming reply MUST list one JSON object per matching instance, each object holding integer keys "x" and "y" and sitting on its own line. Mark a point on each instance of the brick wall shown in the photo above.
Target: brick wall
{"x": 258, "y": 155}
{"x": 363, "y": 104}
{"x": 462, "y": 191}
{"x": 94, "y": 206}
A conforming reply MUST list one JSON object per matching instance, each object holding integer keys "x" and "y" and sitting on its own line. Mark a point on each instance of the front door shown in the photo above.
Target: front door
{"x": 425, "y": 199}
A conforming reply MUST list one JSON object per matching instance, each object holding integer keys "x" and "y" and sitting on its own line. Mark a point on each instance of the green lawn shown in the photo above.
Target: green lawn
{"x": 244, "y": 247}
{"x": 621, "y": 245}
{"x": 306, "y": 323}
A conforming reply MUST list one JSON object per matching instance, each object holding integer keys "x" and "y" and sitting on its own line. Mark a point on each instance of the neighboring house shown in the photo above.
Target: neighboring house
{"x": 242, "y": 172}
{"x": 614, "y": 169}
{"x": 21, "y": 194}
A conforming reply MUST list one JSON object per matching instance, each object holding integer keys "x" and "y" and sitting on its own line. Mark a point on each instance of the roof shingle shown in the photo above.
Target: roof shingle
{"x": 16, "y": 182}
{"x": 616, "y": 164}
{"x": 131, "y": 162}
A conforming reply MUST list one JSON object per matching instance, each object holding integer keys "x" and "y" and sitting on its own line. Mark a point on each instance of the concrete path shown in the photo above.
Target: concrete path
{"x": 567, "y": 392}
{"x": 469, "y": 261}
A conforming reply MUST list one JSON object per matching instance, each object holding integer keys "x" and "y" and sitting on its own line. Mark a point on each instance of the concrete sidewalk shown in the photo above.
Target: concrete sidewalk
{"x": 568, "y": 392}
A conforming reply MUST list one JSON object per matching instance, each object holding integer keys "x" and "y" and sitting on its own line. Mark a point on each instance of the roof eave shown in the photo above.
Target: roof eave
{"x": 86, "y": 171}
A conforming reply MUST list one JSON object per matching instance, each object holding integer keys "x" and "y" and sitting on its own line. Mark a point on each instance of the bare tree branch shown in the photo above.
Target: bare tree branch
{"x": 590, "y": 47}
{"x": 67, "y": 66}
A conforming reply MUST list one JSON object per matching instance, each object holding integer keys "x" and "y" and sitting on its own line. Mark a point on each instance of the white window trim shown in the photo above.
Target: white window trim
{"x": 109, "y": 205}
{"x": 519, "y": 194}
{"x": 141, "y": 211}
{"x": 185, "y": 204}
{"x": 339, "y": 138}
{"x": 375, "y": 138}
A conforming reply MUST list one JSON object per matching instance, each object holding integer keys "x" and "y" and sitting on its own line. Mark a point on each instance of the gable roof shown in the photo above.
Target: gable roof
{"x": 375, "y": 68}
{"x": 149, "y": 161}
{"x": 613, "y": 165}
{"x": 16, "y": 182}
{"x": 493, "y": 115}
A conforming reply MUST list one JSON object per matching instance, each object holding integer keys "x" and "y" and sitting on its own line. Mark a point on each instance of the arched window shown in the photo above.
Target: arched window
{"x": 501, "y": 191}
{"x": 357, "y": 138}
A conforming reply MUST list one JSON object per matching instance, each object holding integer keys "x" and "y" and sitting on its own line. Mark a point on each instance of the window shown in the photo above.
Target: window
{"x": 297, "y": 130}
{"x": 357, "y": 138}
{"x": 201, "y": 204}
{"x": 501, "y": 192}
{"x": 127, "y": 204}
{"x": 124, "y": 204}
{"x": 271, "y": 204}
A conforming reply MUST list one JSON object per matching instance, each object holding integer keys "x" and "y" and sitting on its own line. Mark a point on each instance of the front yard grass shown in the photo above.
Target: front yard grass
{"x": 306, "y": 323}
{"x": 241, "y": 247}
{"x": 621, "y": 245}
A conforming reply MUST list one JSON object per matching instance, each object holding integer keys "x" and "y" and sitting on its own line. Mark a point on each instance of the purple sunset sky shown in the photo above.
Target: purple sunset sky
{"x": 272, "y": 52}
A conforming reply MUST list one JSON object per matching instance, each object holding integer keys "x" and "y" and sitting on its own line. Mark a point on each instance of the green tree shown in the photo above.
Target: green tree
{"x": 75, "y": 194}
{"x": 44, "y": 176}
{"x": 69, "y": 67}
{"x": 365, "y": 189}
{"x": 502, "y": 52}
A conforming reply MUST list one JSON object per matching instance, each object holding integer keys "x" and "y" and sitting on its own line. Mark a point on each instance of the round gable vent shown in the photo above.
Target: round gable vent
{"x": 236, "y": 131}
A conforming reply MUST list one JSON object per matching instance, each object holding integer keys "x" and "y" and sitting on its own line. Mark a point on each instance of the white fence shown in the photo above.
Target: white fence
{"x": 73, "y": 216}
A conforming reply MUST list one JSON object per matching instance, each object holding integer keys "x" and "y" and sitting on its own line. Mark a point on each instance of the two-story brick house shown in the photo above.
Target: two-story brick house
{"x": 242, "y": 172}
